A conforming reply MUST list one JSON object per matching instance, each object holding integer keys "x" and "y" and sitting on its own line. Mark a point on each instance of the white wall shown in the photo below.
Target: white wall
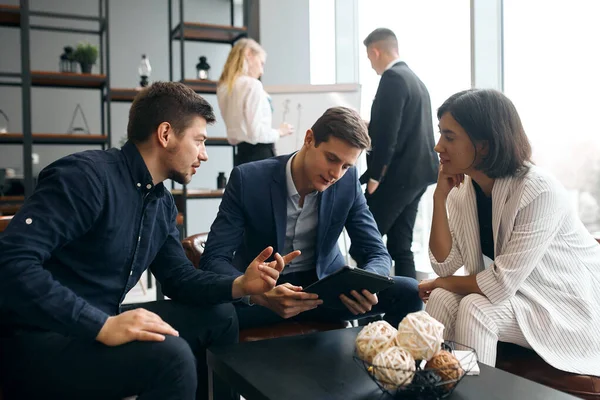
{"x": 284, "y": 33}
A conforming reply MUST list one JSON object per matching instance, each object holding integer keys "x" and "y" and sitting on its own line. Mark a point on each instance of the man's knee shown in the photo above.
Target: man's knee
{"x": 166, "y": 368}
{"x": 175, "y": 357}
{"x": 405, "y": 291}
{"x": 224, "y": 324}
{"x": 209, "y": 325}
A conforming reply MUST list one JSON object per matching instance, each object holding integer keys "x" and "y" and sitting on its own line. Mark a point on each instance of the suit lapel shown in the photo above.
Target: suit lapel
{"x": 279, "y": 201}
{"x": 500, "y": 193}
{"x": 326, "y": 200}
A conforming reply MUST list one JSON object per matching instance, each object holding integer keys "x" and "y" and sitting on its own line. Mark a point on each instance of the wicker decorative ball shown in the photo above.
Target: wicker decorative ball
{"x": 394, "y": 367}
{"x": 373, "y": 338}
{"x": 421, "y": 335}
{"x": 447, "y": 366}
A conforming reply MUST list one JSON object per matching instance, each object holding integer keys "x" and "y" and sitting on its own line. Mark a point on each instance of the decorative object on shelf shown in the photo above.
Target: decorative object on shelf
{"x": 4, "y": 122}
{"x": 299, "y": 108}
{"x": 71, "y": 55}
{"x": 286, "y": 109}
{"x": 221, "y": 181}
{"x": 64, "y": 65}
{"x": 78, "y": 129}
{"x": 202, "y": 69}
{"x": 10, "y": 172}
{"x": 67, "y": 64}
{"x": 144, "y": 70}
{"x": 86, "y": 55}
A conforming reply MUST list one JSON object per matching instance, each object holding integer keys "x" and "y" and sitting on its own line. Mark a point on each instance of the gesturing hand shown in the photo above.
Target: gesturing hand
{"x": 138, "y": 324}
{"x": 288, "y": 300}
{"x": 261, "y": 277}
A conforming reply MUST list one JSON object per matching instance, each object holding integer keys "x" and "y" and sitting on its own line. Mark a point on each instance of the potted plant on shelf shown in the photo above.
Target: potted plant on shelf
{"x": 86, "y": 55}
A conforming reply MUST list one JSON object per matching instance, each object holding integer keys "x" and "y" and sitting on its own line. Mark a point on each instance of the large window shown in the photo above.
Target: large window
{"x": 434, "y": 39}
{"x": 551, "y": 73}
{"x": 322, "y": 42}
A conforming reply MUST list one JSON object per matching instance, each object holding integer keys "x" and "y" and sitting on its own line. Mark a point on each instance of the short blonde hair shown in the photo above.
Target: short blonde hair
{"x": 236, "y": 63}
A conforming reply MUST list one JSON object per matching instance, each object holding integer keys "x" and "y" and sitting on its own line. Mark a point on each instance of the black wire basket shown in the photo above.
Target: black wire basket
{"x": 426, "y": 384}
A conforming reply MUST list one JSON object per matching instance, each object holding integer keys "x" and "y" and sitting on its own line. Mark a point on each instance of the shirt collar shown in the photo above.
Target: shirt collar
{"x": 291, "y": 187}
{"x": 138, "y": 170}
{"x": 390, "y": 65}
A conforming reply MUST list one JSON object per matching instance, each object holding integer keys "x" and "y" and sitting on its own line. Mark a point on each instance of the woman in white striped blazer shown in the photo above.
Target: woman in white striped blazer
{"x": 532, "y": 269}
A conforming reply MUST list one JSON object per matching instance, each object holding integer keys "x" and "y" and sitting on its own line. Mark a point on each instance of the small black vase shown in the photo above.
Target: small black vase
{"x": 86, "y": 68}
{"x": 221, "y": 181}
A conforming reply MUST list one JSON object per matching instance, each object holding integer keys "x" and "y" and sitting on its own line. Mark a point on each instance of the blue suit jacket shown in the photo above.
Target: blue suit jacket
{"x": 253, "y": 215}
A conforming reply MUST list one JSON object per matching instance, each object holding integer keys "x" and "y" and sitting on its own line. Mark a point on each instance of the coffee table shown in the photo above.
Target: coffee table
{"x": 320, "y": 366}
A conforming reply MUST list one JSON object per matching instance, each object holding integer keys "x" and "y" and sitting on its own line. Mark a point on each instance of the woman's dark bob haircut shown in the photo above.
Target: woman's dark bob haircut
{"x": 489, "y": 117}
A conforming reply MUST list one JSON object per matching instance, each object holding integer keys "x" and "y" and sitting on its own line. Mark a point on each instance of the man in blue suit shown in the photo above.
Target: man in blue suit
{"x": 302, "y": 202}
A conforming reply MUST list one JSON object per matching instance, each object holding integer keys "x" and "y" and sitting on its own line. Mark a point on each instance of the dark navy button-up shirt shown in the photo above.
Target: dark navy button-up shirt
{"x": 94, "y": 224}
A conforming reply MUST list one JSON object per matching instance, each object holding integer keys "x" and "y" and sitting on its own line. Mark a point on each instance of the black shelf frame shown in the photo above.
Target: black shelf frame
{"x": 177, "y": 34}
{"x": 221, "y": 33}
{"x": 27, "y": 79}
{"x": 54, "y": 79}
{"x": 65, "y": 139}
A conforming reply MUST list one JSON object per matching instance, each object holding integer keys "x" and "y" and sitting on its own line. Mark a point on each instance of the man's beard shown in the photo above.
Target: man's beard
{"x": 179, "y": 177}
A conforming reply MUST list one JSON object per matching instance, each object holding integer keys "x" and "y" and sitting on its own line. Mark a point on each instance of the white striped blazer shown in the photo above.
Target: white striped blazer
{"x": 545, "y": 263}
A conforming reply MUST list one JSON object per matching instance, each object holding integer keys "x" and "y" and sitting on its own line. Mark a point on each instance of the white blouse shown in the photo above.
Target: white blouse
{"x": 247, "y": 112}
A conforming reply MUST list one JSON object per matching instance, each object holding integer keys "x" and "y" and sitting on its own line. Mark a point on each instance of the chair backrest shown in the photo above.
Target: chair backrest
{"x": 194, "y": 247}
{"x": 4, "y": 220}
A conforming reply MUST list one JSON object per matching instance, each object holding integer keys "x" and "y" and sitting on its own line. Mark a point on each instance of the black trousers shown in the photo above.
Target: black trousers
{"x": 395, "y": 216}
{"x": 396, "y": 301}
{"x": 37, "y": 364}
{"x": 246, "y": 152}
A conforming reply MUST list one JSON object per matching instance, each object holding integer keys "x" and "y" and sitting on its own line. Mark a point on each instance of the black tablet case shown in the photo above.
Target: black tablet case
{"x": 343, "y": 281}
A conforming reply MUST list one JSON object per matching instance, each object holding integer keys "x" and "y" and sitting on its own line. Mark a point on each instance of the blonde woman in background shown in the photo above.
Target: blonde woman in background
{"x": 245, "y": 106}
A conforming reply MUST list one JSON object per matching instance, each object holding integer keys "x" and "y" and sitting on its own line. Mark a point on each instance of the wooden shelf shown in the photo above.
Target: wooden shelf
{"x": 11, "y": 199}
{"x": 124, "y": 95}
{"x": 9, "y": 209}
{"x": 9, "y": 205}
{"x": 209, "y": 32}
{"x": 53, "y": 138}
{"x": 199, "y": 193}
{"x": 201, "y": 85}
{"x": 10, "y": 15}
{"x": 67, "y": 80}
{"x": 217, "y": 141}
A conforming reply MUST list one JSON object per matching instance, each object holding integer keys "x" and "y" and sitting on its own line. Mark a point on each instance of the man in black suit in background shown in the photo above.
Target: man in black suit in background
{"x": 402, "y": 162}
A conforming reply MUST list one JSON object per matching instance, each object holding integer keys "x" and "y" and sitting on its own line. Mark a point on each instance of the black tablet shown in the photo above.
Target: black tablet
{"x": 345, "y": 280}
